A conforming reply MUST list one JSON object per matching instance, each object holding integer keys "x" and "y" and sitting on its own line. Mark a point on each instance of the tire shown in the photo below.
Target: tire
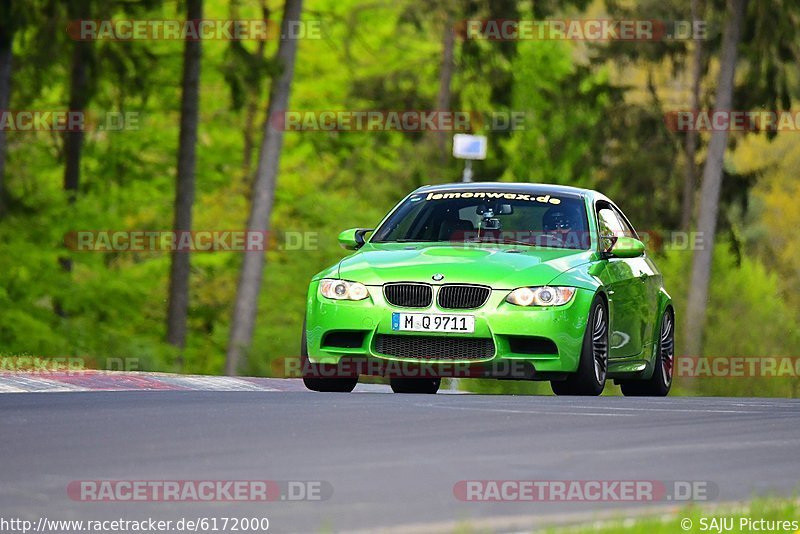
{"x": 427, "y": 386}
{"x": 315, "y": 374}
{"x": 590, "y": 378}
{"x": 660, "y": 383}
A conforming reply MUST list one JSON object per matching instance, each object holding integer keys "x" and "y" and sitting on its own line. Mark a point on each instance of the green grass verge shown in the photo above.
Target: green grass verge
{"x": 761, "y": 515}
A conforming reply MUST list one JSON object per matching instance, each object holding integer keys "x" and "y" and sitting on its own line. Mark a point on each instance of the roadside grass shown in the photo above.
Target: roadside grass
{"x": 761, "y": 515}
{"x": 695, "y": 519}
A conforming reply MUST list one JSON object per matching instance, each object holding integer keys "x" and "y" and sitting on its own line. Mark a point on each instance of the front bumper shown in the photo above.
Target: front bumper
{"x": 505, "y": 324}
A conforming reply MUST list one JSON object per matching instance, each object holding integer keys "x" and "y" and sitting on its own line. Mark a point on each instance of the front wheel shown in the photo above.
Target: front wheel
{"x": 590, "y": 379}
{"x": 415, "y": 385}
{"x": 660, "y": 383}
{"x": 321, "y": 377}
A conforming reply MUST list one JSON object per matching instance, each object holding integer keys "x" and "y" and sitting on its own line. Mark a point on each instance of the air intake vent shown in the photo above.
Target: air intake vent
{"x": 434, "y": 347}
{"x": 408, "y": 295}
{"x": 531, "y": 345}
{"x": 463, "y": 297}
{"x": 343, "y": 339}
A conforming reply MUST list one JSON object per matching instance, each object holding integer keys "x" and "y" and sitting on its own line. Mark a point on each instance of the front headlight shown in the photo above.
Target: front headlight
{"x": 541, "y": 296}
{"x": 342, "y": 289}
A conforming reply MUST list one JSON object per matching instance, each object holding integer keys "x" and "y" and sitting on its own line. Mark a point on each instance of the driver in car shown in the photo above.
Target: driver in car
{"x": 562, "y": 226}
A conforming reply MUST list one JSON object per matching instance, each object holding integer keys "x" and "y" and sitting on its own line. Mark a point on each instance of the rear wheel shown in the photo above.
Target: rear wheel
{"x": 590, "y": 379}
{"x": 415, "y": 385}
{"x": 660, "y": 383}
{"x": 321, "y": 377}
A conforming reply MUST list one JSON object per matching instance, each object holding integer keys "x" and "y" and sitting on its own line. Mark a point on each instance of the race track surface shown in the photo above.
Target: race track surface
{"x": 392, "y": 461}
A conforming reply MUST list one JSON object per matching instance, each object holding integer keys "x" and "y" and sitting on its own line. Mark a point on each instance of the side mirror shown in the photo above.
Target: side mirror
{"x": 353, "y": 239}
{"x": 627, "y": 247}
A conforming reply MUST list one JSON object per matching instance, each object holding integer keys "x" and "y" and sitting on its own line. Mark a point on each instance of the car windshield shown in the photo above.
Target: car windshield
{"x": 466, "y": 216}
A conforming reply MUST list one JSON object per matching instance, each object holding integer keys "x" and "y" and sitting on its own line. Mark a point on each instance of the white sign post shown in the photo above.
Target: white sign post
{"x": 469, "y": 147}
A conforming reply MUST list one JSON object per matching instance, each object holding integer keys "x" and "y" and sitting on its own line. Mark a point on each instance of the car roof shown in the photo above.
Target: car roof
{"x": 511, "y": 187}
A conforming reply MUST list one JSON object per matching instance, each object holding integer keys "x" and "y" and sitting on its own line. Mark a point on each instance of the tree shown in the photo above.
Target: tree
{"x": 245, "y": 71}
{"x": 82, "y": 65}
{"x": 712, "y": 182}
{"x": 6, "y": 56}
{"x": 445, "y": 78}
{"x": 180, "y": 268}
{"x": 690, "y": 145}
{"x": 80, "y": 92}
{"x": 263, "y": 194}
{"x": 638, "y": 144}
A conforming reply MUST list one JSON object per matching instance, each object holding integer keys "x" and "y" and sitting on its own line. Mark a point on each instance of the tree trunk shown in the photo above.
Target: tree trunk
{"x": 689, "y": 179}
{"x": 263, "y": 196}
{"x": 249, "y": 142}
{"x": 252, "y": 94}
{"x": 184, "y": 189}
{"x": 712, "y": 183}
{"x": 445, "y": 79}
{"x": 6, "y": 55}
{"x": 253, "y": 102}
{"x": 79, "y": 94}
{"x": 250, "y": 120}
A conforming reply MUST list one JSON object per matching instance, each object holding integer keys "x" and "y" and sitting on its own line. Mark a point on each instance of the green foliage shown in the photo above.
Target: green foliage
{"x": 564, "y": 105}
{"x": 747, "y": 317}
{"x": 770, "y": 510}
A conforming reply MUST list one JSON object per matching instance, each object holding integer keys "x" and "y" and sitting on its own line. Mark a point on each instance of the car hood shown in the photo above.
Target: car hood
{"x": 499, "y": 266}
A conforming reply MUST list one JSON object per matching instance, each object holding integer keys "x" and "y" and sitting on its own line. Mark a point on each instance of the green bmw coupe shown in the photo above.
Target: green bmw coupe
{"x": 508, "y": 281}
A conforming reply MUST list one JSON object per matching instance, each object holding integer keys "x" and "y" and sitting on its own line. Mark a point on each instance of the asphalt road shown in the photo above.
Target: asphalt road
{"x": 391, "y": 460}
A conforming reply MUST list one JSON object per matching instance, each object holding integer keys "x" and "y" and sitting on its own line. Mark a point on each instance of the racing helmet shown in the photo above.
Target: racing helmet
{"x": 561, "y": 218}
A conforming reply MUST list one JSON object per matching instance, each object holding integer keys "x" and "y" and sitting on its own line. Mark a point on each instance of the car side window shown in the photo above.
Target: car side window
{"x": 627, "y": 229}
{"x": 610, "y": 226}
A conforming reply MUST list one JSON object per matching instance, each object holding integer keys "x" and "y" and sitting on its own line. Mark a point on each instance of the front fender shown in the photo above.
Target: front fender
{"x": 582, "y": 276}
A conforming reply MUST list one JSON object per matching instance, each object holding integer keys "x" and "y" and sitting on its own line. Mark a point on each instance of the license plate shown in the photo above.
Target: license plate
{"x": 433, "y": 322}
